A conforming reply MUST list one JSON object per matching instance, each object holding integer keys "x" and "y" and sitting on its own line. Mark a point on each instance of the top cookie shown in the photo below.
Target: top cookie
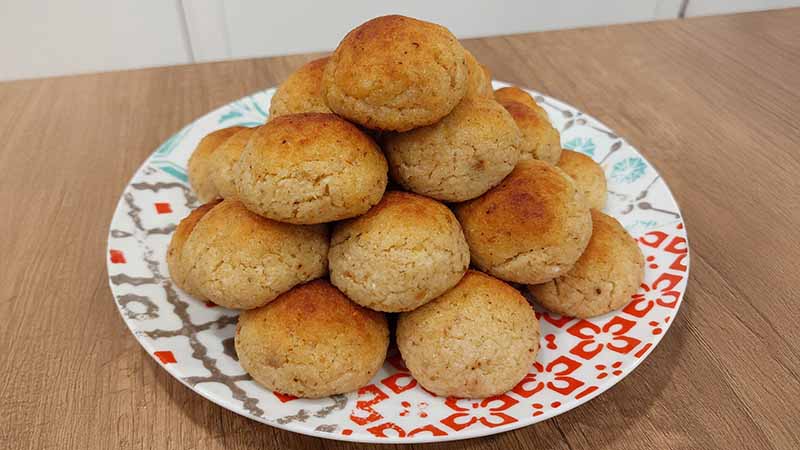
{"x": 395, "y": 73}
{"x": 301, "y": 91}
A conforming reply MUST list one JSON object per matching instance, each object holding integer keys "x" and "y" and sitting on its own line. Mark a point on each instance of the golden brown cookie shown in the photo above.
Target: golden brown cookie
{"x": 224, "y": 159}
{"x": 405, "y": 251}
{"x": 310, "y": 168}
{"x": 479, "y": 79}
{"x": 312, "y": 342}
{"x": 460, "y": 157}
{"x": 301, "y": 92}
{"x": 588, "y": 176}
{"x": 395, "y": 73}
{"x": 477, "y": 340}
{"x": 530, "y": 228}
{"x": 177, "y": 270}
{"x": 199, "y": 168}
{"x": 238, "y": 259}
{"x": 515, "y": 94}
{"x": 605, "y": 277}
{"x": 539, "y": 139}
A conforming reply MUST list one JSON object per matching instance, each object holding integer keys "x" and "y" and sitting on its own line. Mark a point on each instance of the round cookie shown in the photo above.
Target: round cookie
{"x": 460, "y": 157}
{"x": 588, "y": 176}
{"x": 312, "y": 342}
{"x": 199, "y": 167}
{"x": 405, "y": 251}
{"x": 515, "y": 94}
{"x": 310, "y": 168}
{"x": 224, "y": 159}
{"x": 301, "y": 92}
{"x": 177, "y": 270}
{"x": 238, "y": 259}
{"x": 530, "y": 228}
{"x": 479, "y": 80}
{"x": 395, "y": 73}
{"x": 477, "y": 340}
{"x": 605, "y": 277}
{"x": 539, "y": 139}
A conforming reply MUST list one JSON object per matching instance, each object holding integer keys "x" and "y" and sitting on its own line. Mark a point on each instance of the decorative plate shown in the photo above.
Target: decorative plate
{"x": 579, "y": 359}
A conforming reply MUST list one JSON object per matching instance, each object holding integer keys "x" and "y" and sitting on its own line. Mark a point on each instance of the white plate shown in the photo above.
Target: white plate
{"x": 579, "y": 359}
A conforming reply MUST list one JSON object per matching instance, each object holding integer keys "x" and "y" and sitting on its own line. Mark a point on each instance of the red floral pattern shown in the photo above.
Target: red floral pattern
{"x": 557, "y": 377}
{"x": 611, "y": 336}
{"x": 488, "y": 411}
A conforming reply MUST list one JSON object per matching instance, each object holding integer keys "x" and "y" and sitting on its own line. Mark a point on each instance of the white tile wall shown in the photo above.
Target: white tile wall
{"x": 278, "y": 27}
{"x": 54, "y": 37}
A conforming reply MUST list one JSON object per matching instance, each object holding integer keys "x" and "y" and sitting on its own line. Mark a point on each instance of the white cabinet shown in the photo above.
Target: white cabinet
{"x": 709, "y": 7}
{"x": 276, "y": 27}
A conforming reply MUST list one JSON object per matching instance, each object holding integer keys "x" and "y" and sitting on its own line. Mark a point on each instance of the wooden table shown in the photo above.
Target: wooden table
{"x": 714, "y": 103}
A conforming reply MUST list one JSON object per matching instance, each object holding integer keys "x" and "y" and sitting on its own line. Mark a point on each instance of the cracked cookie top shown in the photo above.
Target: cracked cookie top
{"x": 530, "y": 228}
{"x": 310, "y": 168}
{"x": 311, "y": 342}
{"x": 405, "y": 251}
{"x": 238, "y": 259}
{"x": 395, "y": 73}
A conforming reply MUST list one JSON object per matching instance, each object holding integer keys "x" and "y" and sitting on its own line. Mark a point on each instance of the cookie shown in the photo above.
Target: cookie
{"x": 479, "y": 339}
{"x": 177, "y": 270}
{"x": 588, "y": 176}
{"x": 224, "y": 159}
{"x": 310, "y": 168}
{"x": 405, "y": 251}
{"x": 479, "y": 79}
{"x": 238, "y": 259}
{"x": 199, "y": 167}
{"x": 395, "y": 73}
{"x": 301, "y": 92}
{"x": 530, "y": 228}
{"x": 312, "y": 342}
{"x": 515, "y": 94}
{"x": 460, "y": 157}
{"x": 539, "y": 139}
{"x": 605, "y": 277}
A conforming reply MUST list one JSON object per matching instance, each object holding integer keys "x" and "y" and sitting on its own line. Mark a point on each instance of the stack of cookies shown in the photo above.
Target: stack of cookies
{"x": 300, "y": 232}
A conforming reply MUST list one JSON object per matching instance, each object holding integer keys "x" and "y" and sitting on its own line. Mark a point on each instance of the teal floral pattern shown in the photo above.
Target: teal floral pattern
{"x": 246, "y": 112}
{"x": 628, "y": 170}
{"x": 587, "y": 146}
{"x": 165, "y": 149}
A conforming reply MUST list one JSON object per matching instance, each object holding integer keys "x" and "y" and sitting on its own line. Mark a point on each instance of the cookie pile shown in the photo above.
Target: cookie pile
{"x": 300, "y": 232}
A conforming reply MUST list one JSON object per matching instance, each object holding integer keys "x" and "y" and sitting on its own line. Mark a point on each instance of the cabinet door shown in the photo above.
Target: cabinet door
{"x": 249, "y": 28}
{"x": 56, "y": 37}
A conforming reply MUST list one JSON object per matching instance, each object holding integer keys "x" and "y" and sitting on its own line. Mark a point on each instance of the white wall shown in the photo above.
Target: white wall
{"x": 278, "y": 27}
{"x": 55, "y": 37}
{"x": 710, "y": 7}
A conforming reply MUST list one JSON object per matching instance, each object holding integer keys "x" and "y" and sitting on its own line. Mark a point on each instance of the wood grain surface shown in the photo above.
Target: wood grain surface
{"x": 714, "y": 103}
